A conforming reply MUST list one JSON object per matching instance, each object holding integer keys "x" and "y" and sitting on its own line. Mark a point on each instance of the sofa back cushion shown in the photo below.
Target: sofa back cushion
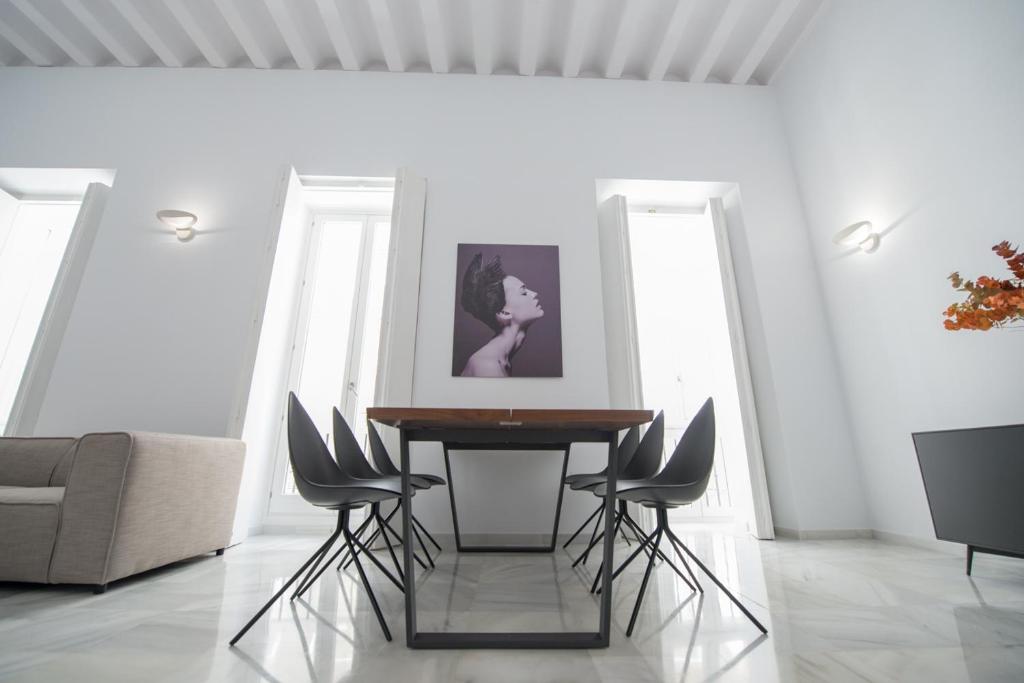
{"x": 35, "y": 462}
{"x": 59, "y": 477}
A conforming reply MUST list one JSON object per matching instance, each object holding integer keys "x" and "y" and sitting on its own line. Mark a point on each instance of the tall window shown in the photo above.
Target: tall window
{"x": 32, "y": 245}
{"x": 334, "y": 361}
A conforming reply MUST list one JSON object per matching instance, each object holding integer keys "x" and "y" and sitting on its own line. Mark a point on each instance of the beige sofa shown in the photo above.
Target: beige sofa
{"x": 106, "y": 506}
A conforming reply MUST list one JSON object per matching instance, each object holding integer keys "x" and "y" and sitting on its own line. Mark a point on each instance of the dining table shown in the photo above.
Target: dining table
{"x": 511, "y": 429}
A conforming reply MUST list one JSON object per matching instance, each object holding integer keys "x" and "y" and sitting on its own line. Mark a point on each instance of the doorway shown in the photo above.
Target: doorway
{"x": 684, "y": 349}
{"x": 674, "y": 331}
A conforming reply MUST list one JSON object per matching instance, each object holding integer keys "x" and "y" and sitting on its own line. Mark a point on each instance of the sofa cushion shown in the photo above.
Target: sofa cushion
{"x": 29, "y": 519}
{"x": 35, "y": 462}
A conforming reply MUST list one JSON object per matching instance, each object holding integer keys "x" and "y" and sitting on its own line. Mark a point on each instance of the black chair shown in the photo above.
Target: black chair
{"x": 353, "y": 462}
{"x": 627, "y": 447}
{"x": 322, "y": 483}
{"x": 644, "y": 463}
{"x": 352, "y": 459}
{"x": 382, "y": 461}
{"x": 682, "y": 481}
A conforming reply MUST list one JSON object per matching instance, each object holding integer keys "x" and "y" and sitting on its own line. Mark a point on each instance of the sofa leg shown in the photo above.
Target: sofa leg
{"x": 220, "y": 551}
{"x": 99, "y": 589}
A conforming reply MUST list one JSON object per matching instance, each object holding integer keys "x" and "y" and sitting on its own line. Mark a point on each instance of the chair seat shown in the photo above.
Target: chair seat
{"x": 573, "y": 478}
{"x": 431, "y": 479}
{"x": 651, "y": 495}
{"x": 588, "y": 481}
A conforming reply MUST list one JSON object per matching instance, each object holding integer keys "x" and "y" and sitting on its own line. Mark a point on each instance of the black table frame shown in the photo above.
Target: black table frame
{"x": 503, "y": 438}
{"x": 457, "y": 446}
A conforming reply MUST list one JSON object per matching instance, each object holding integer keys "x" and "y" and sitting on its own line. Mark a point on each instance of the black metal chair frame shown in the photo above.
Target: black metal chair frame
{"x": 323, "y": 483}
{"x": 348, "y": 541}
{"x": 682, "y": 480}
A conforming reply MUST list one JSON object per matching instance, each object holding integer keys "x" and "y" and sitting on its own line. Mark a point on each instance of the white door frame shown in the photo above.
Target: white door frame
{"x": 624, "y": 380}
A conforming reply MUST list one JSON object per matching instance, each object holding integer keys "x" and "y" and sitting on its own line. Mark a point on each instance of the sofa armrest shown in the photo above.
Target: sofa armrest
{"x": 135, "y": 501}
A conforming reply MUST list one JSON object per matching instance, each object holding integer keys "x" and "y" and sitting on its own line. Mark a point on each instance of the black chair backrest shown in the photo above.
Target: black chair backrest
{"x": 627, "y": 448}
{"x": 349, "y": 455}
{"x": 381, "y": 459}
{"x": 694, "y": 455}
{"x": 312, "y": 464}
{"x": 647, "y": 457}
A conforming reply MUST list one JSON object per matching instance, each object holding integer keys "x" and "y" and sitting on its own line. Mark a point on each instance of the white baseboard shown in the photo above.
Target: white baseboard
{"x": 919, "y": 542}
{"x": 822, "y": 534}
{"x": 884, "y": 536}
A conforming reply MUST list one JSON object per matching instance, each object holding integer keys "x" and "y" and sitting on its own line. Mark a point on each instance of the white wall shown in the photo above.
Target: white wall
{"x": 908, "y": 114}
{"x": 155, "y": 341}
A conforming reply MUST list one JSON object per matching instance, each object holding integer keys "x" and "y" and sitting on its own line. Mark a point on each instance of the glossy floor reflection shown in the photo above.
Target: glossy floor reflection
{"x": 836, "y": 611}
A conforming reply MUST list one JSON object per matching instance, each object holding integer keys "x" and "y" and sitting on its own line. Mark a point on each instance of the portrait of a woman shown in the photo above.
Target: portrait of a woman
{"x": 502, "y": 306}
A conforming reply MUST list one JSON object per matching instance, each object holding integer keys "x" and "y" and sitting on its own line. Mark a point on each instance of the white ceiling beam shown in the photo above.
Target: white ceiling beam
{"x": 579, "y": 29}
{"x": 716, "y": 42}
{"x": 53, "y": 33}
{"x": 336, "y": 32}
{"x": 483, "y": 36}
{"x": 623, "y": 41}
{"x": 31, "y": 52}
{"x": 433, "y": 30}
{"x": 669, "y": 45}
{"x": 289, "y": 30}
{"x": 146, "y": 32}
{"x": 240, "y": 29}
{"x": 196, "y": 33}
{"x": 386, "y": 34}
{"x": 114, "y": 46}
{"x": 529, "y": 38}
{"x": 764, "y": 42}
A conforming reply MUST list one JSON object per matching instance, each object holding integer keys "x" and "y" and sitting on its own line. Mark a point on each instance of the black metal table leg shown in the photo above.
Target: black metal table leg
{"x": 521, "y": 640}
{"x": 463, "y": 548}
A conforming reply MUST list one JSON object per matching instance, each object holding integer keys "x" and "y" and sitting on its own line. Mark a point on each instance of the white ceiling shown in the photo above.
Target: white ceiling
{"x": 727, "y": 41}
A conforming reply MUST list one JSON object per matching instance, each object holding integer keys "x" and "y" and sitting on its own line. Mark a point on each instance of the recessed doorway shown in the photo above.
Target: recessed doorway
{"x": 675, "y": 334}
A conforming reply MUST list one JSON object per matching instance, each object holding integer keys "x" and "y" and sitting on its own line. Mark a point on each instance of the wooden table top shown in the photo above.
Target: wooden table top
{"x": 509, "y": 418}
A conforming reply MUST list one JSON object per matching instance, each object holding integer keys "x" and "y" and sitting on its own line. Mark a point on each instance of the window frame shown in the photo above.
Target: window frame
{"x": 283, "y": 501}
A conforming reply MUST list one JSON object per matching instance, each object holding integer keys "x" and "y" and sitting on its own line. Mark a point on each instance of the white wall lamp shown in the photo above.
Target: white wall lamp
{"x": 181, "y": 222}
{"x": 861, "y": 234}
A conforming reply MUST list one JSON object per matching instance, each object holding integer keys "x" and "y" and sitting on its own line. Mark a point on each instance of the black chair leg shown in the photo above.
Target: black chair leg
{"x": 682, "y": 558}
{"x": 641, "y": 548}
{"x": 718, "y": 583}
{"x": 419, "y": 560}
{"x": 308, "y": 579}
{"x": 358, "y": 533}
{"x": 288, "y": 584}
{"x": 583, "y": 526}
{"x": 600, "y": 567}
{"x": 665, "y": 558}
{"x": 366, "y": 585}
{"x": 391, "y": 550}
{"x": 347, "y": 560}
{"x": 419, "y": 539}
{"x": 643, "y": 585}
{"x": 306, "y": 585}
{"x": 594, "y": 539}
{"x": 427, "y": 534}
{"x": 357, "y": 547}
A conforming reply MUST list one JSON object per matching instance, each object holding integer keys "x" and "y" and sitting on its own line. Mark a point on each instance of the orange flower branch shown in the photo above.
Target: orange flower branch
{"x": 990, "y": 302}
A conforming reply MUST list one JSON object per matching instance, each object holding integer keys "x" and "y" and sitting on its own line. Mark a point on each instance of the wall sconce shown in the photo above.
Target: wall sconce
{"x": 861, "y": 234}
{"x": 181, "y": 222}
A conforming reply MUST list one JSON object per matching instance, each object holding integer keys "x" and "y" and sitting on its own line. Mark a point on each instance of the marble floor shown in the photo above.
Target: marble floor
{"x": 855, "y": 610}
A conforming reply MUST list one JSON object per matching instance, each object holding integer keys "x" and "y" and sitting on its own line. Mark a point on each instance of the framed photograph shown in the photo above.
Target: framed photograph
{"x": 508, "y": 311}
